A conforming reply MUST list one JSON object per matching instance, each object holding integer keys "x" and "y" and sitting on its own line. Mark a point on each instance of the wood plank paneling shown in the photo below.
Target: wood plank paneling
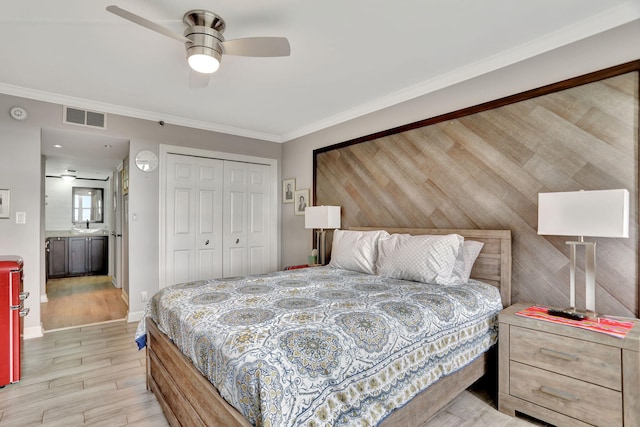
{"x": 483, "y": 167}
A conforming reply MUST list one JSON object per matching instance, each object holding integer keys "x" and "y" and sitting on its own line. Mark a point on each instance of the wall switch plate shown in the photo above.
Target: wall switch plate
{"x": 143, "y": 296}
{"x": 21, "y": 217}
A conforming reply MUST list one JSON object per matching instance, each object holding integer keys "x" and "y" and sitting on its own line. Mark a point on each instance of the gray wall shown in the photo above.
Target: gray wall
{"x": 598, "y": 52}
{"x": 21, "y": 171}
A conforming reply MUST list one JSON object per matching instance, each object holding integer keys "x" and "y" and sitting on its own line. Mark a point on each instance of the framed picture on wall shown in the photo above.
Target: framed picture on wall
{"x": 301, "y": 201}
{"x": 5, "y": 211}
{"x": 288, "y": 188}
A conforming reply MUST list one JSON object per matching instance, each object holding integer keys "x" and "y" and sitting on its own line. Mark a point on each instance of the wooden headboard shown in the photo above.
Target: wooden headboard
{"x": 493, "y": 265}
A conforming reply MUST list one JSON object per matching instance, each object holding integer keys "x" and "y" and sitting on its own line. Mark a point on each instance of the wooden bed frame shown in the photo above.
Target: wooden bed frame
{"x": 189, "y": 399}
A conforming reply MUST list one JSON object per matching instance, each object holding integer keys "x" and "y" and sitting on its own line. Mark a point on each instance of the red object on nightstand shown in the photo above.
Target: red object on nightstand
{"x": 614, "y": 327}
{"x": 295, "y": 267}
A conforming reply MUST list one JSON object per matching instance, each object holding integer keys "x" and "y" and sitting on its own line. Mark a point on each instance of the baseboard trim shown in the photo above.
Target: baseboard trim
{"x": 135, "y": 316}
{"x": 32, "y": 332}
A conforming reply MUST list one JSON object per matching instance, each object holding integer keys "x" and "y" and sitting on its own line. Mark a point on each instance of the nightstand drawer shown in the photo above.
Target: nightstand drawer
{"x": 589, "y": 403}
{"x": 596, "y": 363}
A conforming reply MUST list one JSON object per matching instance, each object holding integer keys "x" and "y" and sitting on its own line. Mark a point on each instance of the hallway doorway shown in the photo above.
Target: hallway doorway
{"x": 69, "y": 295}
{"x": 80, "y": 301}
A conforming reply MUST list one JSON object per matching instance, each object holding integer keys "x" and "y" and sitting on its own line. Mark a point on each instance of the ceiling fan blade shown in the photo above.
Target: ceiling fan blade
{"x": 198, "y": 80}
{"x": 146, "y": 23}
{"x": 257, "y": 46}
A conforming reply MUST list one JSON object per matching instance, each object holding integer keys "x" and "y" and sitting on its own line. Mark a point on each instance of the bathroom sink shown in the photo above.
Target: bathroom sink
{"x": 75, "y": 230}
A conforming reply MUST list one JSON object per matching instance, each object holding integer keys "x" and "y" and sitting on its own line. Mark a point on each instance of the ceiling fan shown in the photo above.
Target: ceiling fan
{"x": 205, "y": 44}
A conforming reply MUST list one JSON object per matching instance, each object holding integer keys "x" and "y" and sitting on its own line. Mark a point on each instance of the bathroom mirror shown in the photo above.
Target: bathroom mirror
{"x": 87, "y": 205}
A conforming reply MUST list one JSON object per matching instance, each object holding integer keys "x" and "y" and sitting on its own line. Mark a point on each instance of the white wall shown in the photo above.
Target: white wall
{"x": 58, "y": 203}
{"x": 607, "y": 49}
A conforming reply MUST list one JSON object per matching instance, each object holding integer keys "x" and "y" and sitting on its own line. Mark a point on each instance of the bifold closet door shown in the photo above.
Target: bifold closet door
{"x": 246, "y": 239}
{"x": 193, "y": 218}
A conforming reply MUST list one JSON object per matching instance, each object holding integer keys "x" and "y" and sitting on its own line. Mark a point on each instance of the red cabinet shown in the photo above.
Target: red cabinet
{"x": 12, "y": 310}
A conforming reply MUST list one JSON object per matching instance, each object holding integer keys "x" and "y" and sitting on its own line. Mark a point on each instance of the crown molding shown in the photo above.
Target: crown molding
{"x": 135, "y": 113}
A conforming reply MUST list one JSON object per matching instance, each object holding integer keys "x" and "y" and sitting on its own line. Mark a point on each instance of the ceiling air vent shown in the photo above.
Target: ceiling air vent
{"x": 93, "y": 119}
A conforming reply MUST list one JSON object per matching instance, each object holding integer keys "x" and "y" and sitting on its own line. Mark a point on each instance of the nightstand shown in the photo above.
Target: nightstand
{"x": 565, "y": 375}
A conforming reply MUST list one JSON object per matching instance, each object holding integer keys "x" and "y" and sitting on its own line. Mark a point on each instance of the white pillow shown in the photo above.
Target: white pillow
{"x": 356, "y": 250}
{"x": 426, "y": 259}
{"x": 464, "y": 262}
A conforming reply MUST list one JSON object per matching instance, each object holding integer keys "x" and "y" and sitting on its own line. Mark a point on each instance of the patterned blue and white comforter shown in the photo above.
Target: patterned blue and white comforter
{"x": 322, "y": 346}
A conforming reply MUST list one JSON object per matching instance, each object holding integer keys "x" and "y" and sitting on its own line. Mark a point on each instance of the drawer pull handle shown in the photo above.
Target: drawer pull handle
{"x": 559, "y": 393}
{"x": 559, "y": 354}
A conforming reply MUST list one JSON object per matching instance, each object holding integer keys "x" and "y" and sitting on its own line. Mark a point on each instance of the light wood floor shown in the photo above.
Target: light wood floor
{"x": 82, "y": 376}
{"x": 95, "y": 376}
{"x": 77, "y": 301}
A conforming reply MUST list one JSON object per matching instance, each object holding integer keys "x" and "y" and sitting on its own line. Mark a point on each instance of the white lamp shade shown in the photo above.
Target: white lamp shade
{"x": 599, "y": 213}
{"x": 322, "y": 217}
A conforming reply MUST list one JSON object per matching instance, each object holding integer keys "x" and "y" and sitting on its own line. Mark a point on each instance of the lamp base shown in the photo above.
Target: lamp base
{"x": 321, "y": 236}
{"x": 589, "y": 272}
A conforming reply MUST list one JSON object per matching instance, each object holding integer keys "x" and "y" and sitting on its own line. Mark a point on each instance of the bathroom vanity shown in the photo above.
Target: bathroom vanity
{"x": 76, "y": 255}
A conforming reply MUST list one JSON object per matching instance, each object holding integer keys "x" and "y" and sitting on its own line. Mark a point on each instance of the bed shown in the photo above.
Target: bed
{"x": 183, "y": 384}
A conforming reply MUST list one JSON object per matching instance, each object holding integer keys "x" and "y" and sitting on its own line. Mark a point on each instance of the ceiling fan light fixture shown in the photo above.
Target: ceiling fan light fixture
{"x": 203, "y": 59}
{"x": 205, "y": 43}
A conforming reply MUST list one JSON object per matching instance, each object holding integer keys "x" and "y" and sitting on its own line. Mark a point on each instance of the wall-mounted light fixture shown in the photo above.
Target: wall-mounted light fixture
{"x": 68, "y": 175}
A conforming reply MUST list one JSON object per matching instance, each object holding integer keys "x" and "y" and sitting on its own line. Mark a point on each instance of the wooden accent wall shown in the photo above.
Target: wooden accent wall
{"x": 483, "y": 167}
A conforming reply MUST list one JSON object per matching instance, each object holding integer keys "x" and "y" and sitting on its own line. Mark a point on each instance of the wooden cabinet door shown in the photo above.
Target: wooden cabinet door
{"x": 57, "y": 257}
{"x": 97, "y": 250}
{"x": 78, "y": 255}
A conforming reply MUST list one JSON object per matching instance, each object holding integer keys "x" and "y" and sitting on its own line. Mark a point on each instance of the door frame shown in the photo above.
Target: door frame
{"x": 274, "y": 227}
{"x": 115, "y": 247}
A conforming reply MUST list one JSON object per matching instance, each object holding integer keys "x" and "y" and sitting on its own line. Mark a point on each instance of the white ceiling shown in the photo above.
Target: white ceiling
{"x": 91, "y": 156}
{"x": 348, "y": 58}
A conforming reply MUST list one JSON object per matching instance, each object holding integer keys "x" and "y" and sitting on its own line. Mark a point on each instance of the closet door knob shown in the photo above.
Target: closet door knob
{"x": 206, "y": 243}
{"x": 237, "y": 241}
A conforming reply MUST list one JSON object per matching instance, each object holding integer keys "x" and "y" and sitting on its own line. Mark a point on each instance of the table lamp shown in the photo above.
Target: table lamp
{"x": 321, "y": 218}
{"x": 598, "y": 213}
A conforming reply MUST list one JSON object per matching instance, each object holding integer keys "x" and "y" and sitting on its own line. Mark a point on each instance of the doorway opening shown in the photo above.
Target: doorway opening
{"x": 83, "y": 260}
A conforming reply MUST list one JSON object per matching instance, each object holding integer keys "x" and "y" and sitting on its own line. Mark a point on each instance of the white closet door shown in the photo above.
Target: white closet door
{"x": 194, "y": 218}
{"x": 209, "y": 216}
{"x": 259, "y": 218}
{"x": 246, "y": 239}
